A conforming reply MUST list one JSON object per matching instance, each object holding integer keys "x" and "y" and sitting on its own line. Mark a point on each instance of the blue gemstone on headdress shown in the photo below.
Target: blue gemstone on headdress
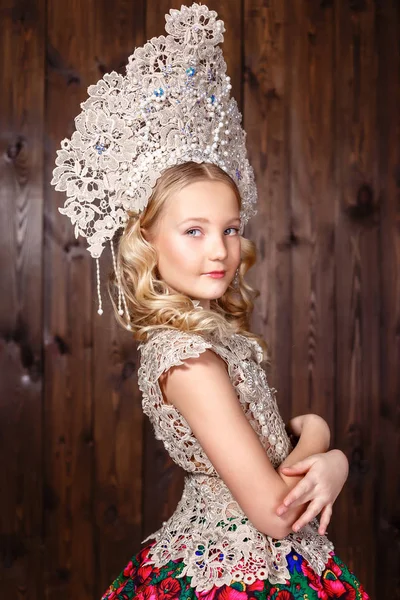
{"x": 238, "y": 174}
{"x": 100, "y": 148}
{"x": 190, "y": 71}
{"x": 212, "y": 98}
{"x": 159, "y": 92}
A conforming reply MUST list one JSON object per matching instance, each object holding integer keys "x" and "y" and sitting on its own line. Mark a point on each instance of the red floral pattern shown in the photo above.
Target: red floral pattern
{"x": 140, "y": 582}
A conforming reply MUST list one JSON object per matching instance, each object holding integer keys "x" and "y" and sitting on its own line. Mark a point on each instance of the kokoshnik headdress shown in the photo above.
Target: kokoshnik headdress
{"x": 172, "y": 106}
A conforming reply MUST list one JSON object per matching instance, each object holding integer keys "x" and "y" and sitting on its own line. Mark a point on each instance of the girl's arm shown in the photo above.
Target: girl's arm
{"x": 317, "y": 478}
{"x": 315, "y": 437}
{"x": 202, "y": 391}
{"x": 325, "y": 476}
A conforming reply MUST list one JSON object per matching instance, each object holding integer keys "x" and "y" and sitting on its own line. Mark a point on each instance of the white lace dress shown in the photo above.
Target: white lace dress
{"x": 208, "y": 530}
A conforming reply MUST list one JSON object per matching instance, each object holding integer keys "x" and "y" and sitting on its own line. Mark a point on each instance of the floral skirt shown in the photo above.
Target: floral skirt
{"x": 153, "y": 583}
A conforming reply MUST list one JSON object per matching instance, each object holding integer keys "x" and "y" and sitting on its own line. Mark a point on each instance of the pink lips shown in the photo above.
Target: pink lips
{"x": 216, "y": 274}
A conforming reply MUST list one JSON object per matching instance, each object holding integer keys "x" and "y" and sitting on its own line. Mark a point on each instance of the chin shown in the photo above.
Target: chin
{"x": 216, "y": 296}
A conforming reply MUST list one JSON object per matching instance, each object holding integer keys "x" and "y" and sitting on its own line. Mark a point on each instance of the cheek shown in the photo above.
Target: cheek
{"x": 236, "y": 252}
{"x": 178, "y": 253}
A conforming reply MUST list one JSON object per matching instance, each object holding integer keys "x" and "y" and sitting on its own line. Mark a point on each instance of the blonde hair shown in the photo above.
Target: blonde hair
{"x": 150, "y": 303}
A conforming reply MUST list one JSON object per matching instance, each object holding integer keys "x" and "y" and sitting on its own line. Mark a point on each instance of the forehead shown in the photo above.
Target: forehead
{"x": 206, "y": 199}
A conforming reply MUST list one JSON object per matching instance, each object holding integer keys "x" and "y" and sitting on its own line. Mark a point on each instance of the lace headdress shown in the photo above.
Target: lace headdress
{"x": 172, "y": 106}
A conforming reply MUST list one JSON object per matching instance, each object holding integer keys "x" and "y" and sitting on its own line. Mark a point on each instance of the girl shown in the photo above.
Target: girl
{"x": 161, "y": 153}
{"x": 247, "y": 490}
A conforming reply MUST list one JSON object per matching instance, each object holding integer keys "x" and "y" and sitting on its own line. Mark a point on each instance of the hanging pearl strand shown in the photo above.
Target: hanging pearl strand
{"x": 120, "y": 310}
{"x": 121, "y": 295}
{"x": 100, "y": 309}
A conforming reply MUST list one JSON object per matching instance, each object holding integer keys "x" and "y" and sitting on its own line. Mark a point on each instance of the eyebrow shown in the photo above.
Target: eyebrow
{"x": 203, "y": 220}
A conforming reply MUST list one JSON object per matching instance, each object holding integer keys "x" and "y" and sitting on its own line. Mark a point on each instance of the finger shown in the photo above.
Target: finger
{"x": 299, "y": 491}
{"x": 304, "y": 497}
{"x": 303, "y": 465}
{"x": 325, "y": 519}
{"x": 293, "y": 471}
{"x": 295, "y": 493}
{"x": 300, "y": 467}
{"x": 313, "y": 509}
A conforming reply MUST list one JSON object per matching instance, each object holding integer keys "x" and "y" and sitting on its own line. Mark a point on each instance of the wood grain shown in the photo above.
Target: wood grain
{"x": 117, "y": 417}
{"x": 357, "y": 282}
{"x": 68, "y": 342}
{"x": 22, "y": 107}
{"x": 386, "y": 430}
{"x": 83, "y": 479}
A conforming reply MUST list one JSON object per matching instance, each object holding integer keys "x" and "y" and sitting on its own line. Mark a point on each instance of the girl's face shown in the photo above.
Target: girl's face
{"x": 198, "y": 233}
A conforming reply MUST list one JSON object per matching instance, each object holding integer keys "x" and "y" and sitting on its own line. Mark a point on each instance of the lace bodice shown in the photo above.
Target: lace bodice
{"x": 208, "y": 529}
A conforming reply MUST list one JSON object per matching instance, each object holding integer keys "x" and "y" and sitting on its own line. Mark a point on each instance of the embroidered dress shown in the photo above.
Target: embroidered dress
{"x": 208, "y": 546}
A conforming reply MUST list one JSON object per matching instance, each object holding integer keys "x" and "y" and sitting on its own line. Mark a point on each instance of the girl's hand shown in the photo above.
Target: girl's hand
{"x": 325, "y": 475}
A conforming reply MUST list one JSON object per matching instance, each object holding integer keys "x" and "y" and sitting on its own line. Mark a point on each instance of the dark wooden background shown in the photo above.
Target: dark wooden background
{"x": 82, "y": 479}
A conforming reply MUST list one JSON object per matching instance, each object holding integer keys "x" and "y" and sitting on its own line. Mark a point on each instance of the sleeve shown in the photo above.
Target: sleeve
{"x": 168, "y": 348}
{"x": 173, "y": 349}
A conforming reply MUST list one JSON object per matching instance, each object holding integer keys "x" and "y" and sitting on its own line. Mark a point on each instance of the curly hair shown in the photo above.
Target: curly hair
{"x": 150, "y": 303}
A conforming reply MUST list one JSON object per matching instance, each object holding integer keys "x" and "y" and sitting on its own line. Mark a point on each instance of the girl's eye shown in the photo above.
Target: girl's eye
{"x": 189, "y": 230}
{"x": 229, "y": 228}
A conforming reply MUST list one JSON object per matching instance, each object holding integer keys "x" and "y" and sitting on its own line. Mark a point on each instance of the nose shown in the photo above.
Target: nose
{"x": 217, "y": 247}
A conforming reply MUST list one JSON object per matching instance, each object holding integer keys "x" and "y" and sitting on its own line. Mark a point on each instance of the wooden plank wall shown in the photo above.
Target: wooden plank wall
{"x": 83, "y": 480}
